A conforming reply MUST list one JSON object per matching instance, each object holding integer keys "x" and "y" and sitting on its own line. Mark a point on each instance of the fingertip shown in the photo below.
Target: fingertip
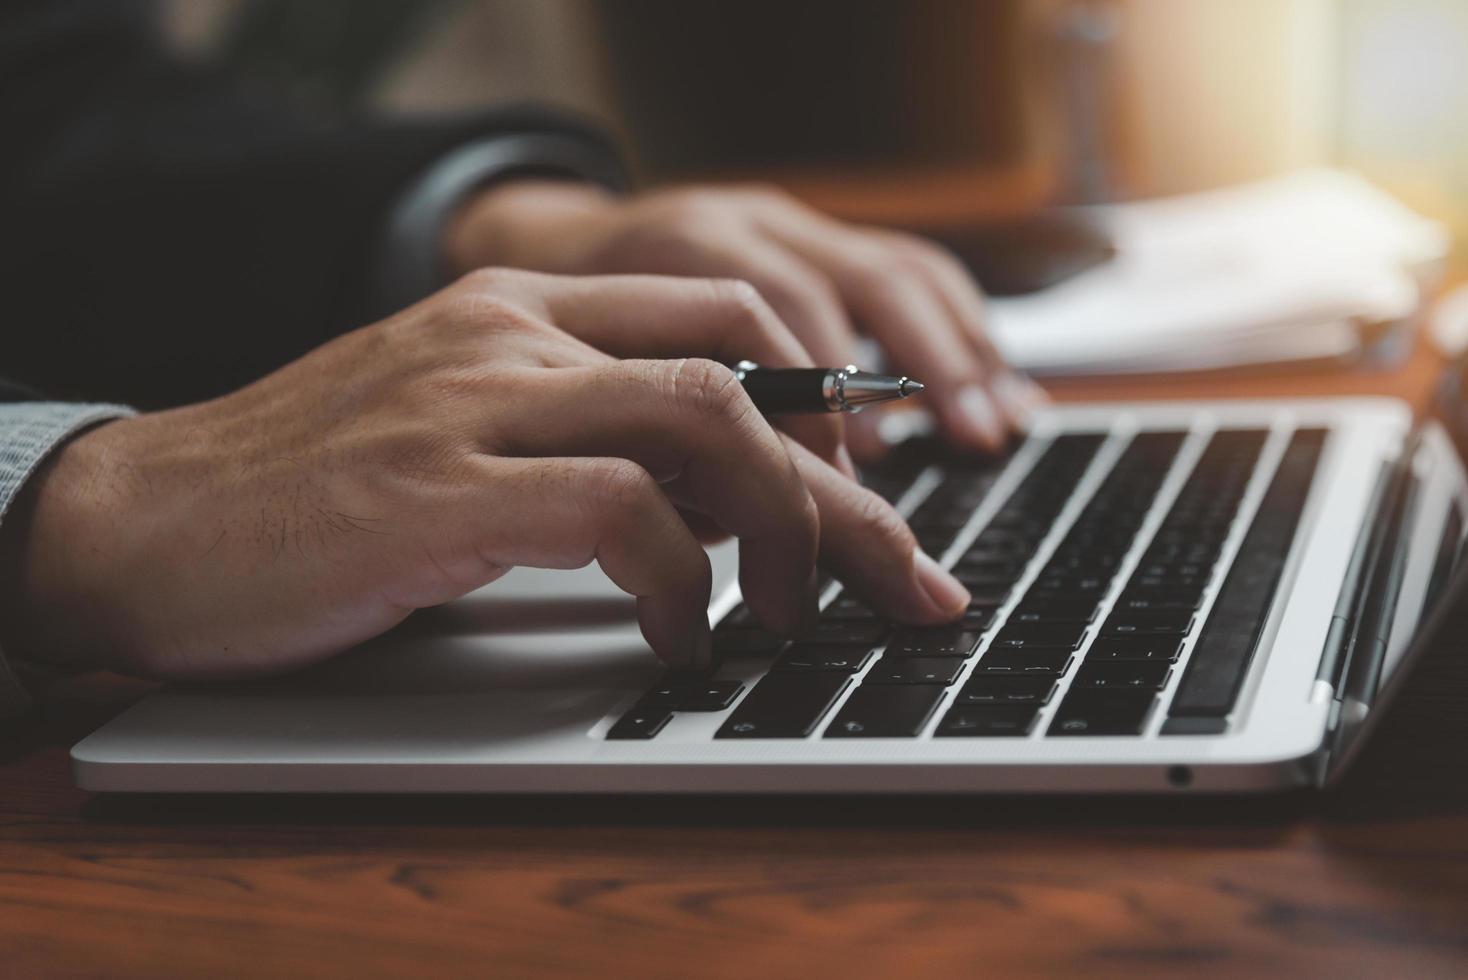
{"x": 864, "y": 438}
{"x": 703, "y": 650}
{"x": 973, "y": 418}
{"x": 1021, "y": 397}
{"x": 945, "y": 594}
{"x": 845, "y": 463}
{"x": 680, "y": 637}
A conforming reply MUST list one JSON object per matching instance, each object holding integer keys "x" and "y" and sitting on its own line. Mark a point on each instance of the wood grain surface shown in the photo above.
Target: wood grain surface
{"x": 1370, "y": 880}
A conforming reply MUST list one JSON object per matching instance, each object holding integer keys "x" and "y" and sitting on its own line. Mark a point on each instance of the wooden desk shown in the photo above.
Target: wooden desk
{"x": 1369, "y": 881}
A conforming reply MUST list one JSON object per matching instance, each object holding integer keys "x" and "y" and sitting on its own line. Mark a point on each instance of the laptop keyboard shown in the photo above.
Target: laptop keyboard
{"x": 1107, "y": 649}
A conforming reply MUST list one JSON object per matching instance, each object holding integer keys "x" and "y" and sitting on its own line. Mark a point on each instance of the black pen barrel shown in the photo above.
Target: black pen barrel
{"x": 783, "y": 391}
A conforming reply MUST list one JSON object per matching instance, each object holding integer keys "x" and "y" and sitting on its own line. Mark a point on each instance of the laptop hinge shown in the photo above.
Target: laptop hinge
{"x": 1356, "y": 643}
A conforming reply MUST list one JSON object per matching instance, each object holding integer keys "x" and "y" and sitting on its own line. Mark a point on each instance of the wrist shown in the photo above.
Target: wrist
{"x": 53, "y": 542}
{"x": 523, "y": 224}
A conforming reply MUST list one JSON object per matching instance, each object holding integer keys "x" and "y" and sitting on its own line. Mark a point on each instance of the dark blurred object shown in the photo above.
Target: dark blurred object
{"x": 721, "y": 86}
{"x": 1024, "y": 256}
{"x": 170, "y": 232}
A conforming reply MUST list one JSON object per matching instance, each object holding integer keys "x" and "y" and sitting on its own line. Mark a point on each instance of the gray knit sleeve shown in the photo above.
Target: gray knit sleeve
{"x": 29, "y": 432}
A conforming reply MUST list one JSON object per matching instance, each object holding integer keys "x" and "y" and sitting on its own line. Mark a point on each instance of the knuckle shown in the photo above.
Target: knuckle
{"x": 810, "y": 296}
{"x": 693, "y": 212}
{"x": 619, "y": 486}
{"x": 881, "y": 523}
{"x": 744, "y": 301}
{"x": 489, "y": 280}
{"x": 741, "y": 295}
{"x": 872, "y": 267}
{"x": 708, "y": 389}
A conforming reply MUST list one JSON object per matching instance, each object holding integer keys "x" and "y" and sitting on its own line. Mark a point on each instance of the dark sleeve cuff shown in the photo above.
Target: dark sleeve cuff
{"x": 409, "y": 264}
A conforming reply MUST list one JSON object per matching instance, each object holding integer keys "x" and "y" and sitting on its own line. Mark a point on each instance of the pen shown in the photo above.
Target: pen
{"x": 780, "y": 391}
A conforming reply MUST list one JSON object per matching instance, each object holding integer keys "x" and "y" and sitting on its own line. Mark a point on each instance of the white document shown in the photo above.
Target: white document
{"x": 1284, "y": 269}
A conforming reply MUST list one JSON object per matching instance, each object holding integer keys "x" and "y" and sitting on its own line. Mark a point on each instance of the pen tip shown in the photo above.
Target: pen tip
{"x": 907, "y": 387}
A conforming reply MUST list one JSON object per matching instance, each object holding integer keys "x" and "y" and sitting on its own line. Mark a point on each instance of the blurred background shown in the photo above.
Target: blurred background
{"x": 1053, "y": 100}
{"x": 1314, "y": 152}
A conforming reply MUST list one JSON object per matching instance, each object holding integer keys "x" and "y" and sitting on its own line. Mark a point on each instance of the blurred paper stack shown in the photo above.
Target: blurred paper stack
{"x": 1315, "y": 266}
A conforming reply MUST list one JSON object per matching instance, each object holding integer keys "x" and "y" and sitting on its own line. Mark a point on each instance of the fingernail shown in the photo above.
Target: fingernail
{"x": 946, "y": 593}
{"x": 845, "y": 463}
{"x": 1021, "y": 395}
{"x": 978, "y": 409}
{"x": 811, "y": 612}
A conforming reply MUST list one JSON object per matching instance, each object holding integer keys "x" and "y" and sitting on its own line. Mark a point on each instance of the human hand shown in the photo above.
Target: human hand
{"x": 824, "y": 278}
{"x": 411, "y": 461}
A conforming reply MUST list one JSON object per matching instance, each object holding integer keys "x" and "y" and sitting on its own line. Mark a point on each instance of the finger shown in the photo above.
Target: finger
{"x": 864, "y": 437}
{"x": 1016, "y": 394}
{"x": 869, "y": 547}
{"x": 806, "y": 301}
{"x": 565, "y": 513}
{"x": 907, "y": 317}
{"x": 703, "y": 527}
{"x": 672, "y": 316}
{"x": 804, "y": 298}
{"x": 689, "y": 421}
{"x": 725, "y": 320}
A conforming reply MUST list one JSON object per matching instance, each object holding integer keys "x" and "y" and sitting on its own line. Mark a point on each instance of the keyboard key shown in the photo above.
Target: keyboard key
{"x": 1226, "y": 645}
{"x": 1148, "y": 624}
{"x": 1072, "y": 586}
{"x": 978, "y": 618}
{"x": 915, "y": 670}
{"x": 709, "y": 696}
{"x": 848, "y": 608}
{"x": 1049, "y": 663}
{"x": 1148, "y": 675}
{"x": 937, "y": 641}
{"x": 1010, "y": 552}
{"x": 1020, "y": 542}
{"x": 746, "y": 643}
{"x": 1025, "y": 636}
{"x": 1102, "y": 712}
{"x": 1180, "y": 554}
{"x": 979, "y": 721}
{"x": 998, "y": 569}
{"x": 1169, "y": 582}
{"x": 991, "y": 597}
{"x": 1029, "y": 616}
{"x": 640, "y": 723}
{"x": 1163, "y": 649}
{"x": 1054, "y": 611}
{"x": 846, "y": 658}
{"x": 896, "y": 711}
{"x": 784, "y": 706}
{"x": 934, "y": 540}
{"x": 983, "y": 581}
{"x": 691, "y": 693}
{"x": 1159, "y": 601}
{"x": 1005, "y": 689}
{"x": 846, "y": 632}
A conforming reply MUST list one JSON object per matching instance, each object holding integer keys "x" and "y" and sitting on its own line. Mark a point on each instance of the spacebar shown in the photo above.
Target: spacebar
{"x": 784, "y": 706}
{"x": 1215, "y": 672}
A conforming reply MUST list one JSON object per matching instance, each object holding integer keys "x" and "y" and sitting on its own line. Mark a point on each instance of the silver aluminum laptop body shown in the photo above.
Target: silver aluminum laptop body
{"x": 514, "y": 689}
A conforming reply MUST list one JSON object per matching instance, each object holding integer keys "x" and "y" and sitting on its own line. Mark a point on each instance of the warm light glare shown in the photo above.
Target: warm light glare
{"x": 1406, "y": 90}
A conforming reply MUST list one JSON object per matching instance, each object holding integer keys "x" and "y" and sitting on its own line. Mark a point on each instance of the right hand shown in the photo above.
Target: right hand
{"x": 412, "y": 461}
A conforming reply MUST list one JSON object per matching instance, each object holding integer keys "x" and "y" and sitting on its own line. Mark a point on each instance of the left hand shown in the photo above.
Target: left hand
{"x": 825, "y": 279}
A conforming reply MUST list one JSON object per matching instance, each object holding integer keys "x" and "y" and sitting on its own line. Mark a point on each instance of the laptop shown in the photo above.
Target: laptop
{"x": 1170, "y": 597}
